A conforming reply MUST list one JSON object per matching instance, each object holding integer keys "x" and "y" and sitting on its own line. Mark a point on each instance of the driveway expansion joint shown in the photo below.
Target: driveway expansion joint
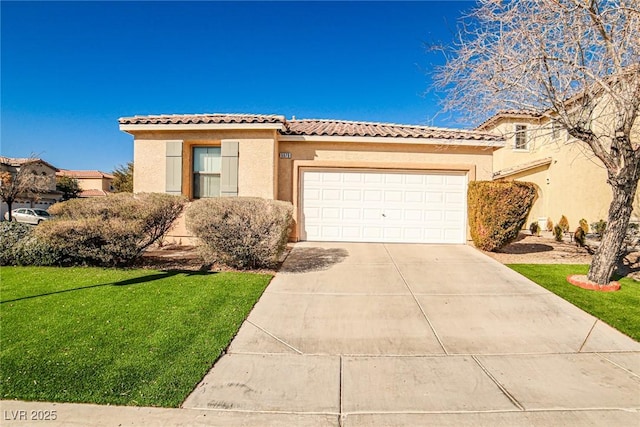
{"x": 275, "y": 337}
{"x": 415, "y": 299}
{"x": 618, "y": 365}
{"x": 588, "y": 335}
{"x": 500, "y": 386}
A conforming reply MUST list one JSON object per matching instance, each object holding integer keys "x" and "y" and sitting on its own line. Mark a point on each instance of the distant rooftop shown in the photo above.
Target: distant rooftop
{"x": 86, "y": 174}
{"x": 20, "y": 161}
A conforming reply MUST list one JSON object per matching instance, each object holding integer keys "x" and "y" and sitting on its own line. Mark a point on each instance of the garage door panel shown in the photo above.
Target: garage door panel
{"x": 413, "y": 215}
{"x": 394, "y": 196}
{"x": 414, "y": 196}
{"x": 354, "y": 177}
{"x": 352, "y": 195}
{"x": 351, "y": 214}
{"x": 384, "y": 206}
{"x": 372, "y": 214}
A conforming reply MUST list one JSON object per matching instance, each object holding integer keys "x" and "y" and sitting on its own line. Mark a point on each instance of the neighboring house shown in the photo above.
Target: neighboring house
{"x": 571, "y": 181}
{"x": 93, "y": 183}
{"x": 42, "y": 200}
{"x": 347, "y": 181}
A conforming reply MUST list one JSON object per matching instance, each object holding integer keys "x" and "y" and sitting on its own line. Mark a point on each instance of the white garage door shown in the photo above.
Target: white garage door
{"x": 358, "y": 206}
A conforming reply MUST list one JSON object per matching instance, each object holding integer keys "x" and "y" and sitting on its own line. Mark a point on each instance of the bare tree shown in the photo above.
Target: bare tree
{"x": 575, "y": 62}
{"x": 23, "y": 182}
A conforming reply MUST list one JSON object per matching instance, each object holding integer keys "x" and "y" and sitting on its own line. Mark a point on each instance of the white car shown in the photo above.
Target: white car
{"x": 28, "y": 215}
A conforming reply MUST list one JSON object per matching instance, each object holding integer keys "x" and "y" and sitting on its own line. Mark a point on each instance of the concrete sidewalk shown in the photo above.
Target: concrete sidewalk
{"x": 390, "y": 334}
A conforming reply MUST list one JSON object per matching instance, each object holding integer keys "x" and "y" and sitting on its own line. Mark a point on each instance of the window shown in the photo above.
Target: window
{"x": 521, "y": 138}
{"x": 206, "y": 172}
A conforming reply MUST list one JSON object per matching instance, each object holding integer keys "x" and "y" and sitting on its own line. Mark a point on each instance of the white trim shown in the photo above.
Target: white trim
{"x": 392, "y": 140}
{"x": 201, "y": 126}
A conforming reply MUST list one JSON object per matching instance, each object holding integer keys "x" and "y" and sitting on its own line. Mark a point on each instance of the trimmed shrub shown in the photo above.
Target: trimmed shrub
{"x": 108, "y": 231}
{"x": 549, "y": 224}
{"x": 20, "y": 246}
{"x": 497, "y": 211}
{"x": 579, "y": 235}
{"x": 11, "y": 233}
{"x": 599, "y": 227}
{"x": 241, "y": 232}
{"x": 564, "y": 224}
{"x": 558, "y": 233}
{"x": 584, "y": 225}
{"x": 534, "y": 228}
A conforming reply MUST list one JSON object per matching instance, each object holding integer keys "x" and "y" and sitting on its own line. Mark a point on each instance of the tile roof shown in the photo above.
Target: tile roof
{"x": 317, "y": 127}
{"x": 17, "y": 162}
{"x": 93, "y": 193}
{"x": 84, "y": 174}
{"x": 314, "y": 127}
{"x": 522, "y": 167}
{"x": 201, "y": 118}
{"x": 508, "y": 114}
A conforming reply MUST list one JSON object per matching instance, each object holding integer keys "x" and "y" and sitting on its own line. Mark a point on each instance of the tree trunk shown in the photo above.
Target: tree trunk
{"x": 606, "y": 256}
{"x": 9, "y": 206}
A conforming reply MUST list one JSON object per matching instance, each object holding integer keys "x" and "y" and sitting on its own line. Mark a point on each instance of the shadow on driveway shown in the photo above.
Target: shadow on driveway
{"x": 303, "y": 260}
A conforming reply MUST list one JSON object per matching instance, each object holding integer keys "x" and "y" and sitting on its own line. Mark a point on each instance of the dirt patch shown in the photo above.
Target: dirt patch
{"x": 545, "y": 249}
{"x": 172, "y": 257}
{"x": 183, "y": 257}
{"x": 541, "y": 250}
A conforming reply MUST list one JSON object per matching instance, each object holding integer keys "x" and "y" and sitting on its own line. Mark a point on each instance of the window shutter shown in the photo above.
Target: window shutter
{"x": 229, "y": 173}
{"x": 174, "y": 168}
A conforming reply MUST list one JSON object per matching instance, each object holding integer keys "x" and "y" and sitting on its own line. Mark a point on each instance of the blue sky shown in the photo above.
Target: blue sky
{"x": 69, "y": 70}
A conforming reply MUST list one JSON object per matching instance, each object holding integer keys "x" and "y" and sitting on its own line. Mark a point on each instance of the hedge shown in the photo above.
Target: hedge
{"x": 497, "y": 211}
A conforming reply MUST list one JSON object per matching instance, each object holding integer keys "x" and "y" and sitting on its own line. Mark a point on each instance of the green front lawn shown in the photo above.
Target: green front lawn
{"x": 126, "y": 337}
{"x": 619, "y": 309}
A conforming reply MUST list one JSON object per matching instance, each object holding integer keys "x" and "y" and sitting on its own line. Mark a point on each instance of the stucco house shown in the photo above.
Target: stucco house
{"x": 93, "y": 183}
{"x": 347, "y": 181}
{"x": 41, "y": 200}
{"x": 571, "y": 181}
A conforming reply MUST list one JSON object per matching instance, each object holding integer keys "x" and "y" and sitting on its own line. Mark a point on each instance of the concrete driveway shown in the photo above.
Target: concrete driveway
{"x": 392, "y": 334}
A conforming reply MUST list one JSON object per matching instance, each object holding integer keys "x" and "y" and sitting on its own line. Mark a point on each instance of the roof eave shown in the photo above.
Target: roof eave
{"x": 132, "y": 128}
{"x": 523, "y": 168}
{"x": 395, "y": 140}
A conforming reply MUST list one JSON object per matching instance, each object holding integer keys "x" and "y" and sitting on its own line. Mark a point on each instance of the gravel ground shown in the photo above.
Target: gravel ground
{"x": 541, "y": 249}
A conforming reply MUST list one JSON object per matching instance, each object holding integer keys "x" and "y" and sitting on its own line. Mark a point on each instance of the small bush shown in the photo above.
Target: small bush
{"x": 497, "y": 211}
{"x": 20, "y": 246}
{"x": 558, "y": 233}
{"x": 549, "y": 224}
{"x": 241, "y": 232}
{"x": 108, "y": 231}
{"x": 579, "y": 235}
{"x": 599, "y": 227}
{"x": 534, "y": 228}
{"x": 11, "y": 233}
{"x": 564, "y": 224}
{"x": 584, "y": 225}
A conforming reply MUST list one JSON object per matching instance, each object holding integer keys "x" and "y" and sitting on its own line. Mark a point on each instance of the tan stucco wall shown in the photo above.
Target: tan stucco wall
{"x": 574, "y": 184}
{"x": 477, "y": 162}
{"x": 94, "y": 184}
{"x": 402, "y": 156}
{"x": 149, "y": 174}
{"x": 256, "y": 162}
{"x": 261, "y": 173}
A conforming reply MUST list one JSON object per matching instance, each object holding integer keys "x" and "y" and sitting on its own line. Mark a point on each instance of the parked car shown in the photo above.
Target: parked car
{"x": 28, "y": 215}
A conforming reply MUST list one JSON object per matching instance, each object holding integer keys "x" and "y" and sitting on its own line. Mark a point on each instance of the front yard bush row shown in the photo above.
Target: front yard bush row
{"x": 497, "y": 211}
{"x": 107, "y": 231}
{"x": 241, "y": 232}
